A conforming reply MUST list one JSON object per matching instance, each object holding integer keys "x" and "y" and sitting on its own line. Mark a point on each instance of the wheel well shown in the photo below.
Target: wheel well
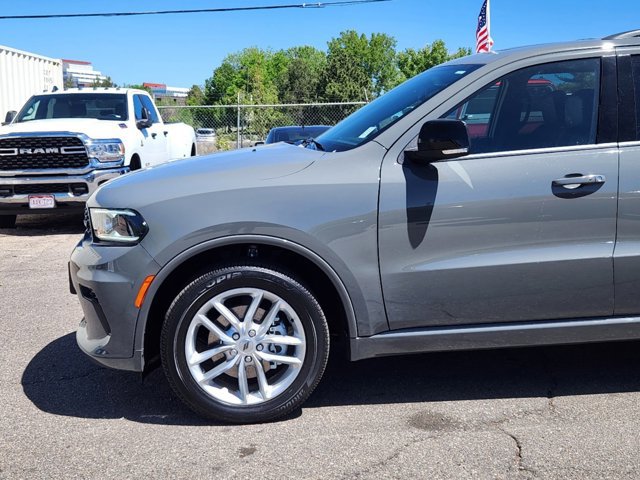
{"x": 135, "y": 163}
{"x": 288, "y": 261}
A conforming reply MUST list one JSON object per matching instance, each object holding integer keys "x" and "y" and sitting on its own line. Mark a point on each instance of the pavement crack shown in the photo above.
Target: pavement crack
{"x": 553, "y": 386}
{"x": 376, "y": 466}
{"x": 522, "y": 468}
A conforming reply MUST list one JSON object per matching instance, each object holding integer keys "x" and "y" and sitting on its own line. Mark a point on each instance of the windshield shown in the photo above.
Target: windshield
{"x": 294, "y": 134}
{"x": 103, "y": 106}
{"x": 372, "y": 119}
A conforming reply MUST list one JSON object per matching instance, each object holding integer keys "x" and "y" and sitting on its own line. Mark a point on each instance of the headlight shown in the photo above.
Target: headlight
{"x": 117, "y": 226}
{"x": 106, "y": 150}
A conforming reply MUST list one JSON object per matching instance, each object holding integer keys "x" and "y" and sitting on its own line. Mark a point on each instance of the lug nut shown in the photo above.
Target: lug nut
{"x": 235, "y": 336}
{"x": 247, "y": 359}
{"x": 234, "y": 352}
{"x": 259, "y": 347}
{"x": 252, "y": 333}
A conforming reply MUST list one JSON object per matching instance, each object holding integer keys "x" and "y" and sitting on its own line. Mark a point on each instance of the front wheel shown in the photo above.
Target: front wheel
{"x": 244, "y": 344}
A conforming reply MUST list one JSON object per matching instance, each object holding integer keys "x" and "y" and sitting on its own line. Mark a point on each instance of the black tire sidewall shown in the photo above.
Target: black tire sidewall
{"x": 196, "y": 294}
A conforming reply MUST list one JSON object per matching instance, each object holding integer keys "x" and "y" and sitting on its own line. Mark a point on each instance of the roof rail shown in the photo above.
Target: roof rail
{"x": 619, "y": 36}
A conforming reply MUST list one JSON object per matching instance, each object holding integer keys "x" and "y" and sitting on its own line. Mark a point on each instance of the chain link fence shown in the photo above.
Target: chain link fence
{"x": 238, "y": 126}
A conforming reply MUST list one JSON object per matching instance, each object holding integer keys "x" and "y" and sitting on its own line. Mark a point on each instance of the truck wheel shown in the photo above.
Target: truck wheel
{"x": 7, "y": 221}
{"x": 193, "y": 150}
{"x": 135, "y": 163}
{"x": 244, "y": 344}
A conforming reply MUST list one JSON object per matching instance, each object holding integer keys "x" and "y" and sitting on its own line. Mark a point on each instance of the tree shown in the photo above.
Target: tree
{"x": 106, "y": 82}
{"x": 195, "y": 96}
{"x": 412, "y": 62}
{"x": 305, "y": 68}
{"x": 359, "y": 67}
{"x": 250, "y": 73}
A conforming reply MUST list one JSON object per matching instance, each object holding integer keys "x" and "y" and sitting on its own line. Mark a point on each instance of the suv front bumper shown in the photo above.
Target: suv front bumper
{"x": 107, "y": 280}
{"x": 13, "y": 203}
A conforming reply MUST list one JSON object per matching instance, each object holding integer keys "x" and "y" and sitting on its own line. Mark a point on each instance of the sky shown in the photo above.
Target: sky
{"x": 183, "y": 50}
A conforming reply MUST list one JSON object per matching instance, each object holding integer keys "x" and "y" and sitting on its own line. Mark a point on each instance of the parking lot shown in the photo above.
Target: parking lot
{"x": 561, "y": 412}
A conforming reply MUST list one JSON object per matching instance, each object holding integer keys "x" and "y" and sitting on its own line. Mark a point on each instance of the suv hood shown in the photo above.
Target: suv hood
{"x": 89, "y": 126}
{"x": 240, "y": 169}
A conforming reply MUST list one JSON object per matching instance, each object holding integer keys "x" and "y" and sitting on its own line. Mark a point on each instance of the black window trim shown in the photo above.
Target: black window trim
{"x": 627, "y": 115}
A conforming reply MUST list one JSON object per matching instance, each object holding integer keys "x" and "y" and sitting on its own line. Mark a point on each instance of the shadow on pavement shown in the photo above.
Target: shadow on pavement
{"x": 54, "y": 224}
{"x": 63, "y": 381}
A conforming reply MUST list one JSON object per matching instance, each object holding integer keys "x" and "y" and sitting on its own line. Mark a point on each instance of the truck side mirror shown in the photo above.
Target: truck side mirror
{"x": 145, "y": 121}
{"x": 440, "y": 140}
{"x": 8, "y": 118}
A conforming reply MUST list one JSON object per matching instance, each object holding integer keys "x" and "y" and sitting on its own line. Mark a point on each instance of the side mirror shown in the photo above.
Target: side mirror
{"x": 8, "y": 118}
{"x": 145, "y": 121}
{"x": 440, "y": 140}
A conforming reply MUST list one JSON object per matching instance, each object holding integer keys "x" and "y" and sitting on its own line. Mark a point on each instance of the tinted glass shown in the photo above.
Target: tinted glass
{"x": 372, "y": 119}
{"x": 137, "y": 106}
{"x": 105, "y": 106}
{"x": 146, "y": 101}
{"x": 549, "y": 105}
{"x": 635, "y": 65}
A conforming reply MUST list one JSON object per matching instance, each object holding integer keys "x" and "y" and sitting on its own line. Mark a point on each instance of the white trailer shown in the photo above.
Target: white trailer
{"x": 23, "y": 74}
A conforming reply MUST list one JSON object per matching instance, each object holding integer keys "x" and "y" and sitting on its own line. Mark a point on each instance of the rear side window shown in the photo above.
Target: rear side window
{"x": 548, "y": 105}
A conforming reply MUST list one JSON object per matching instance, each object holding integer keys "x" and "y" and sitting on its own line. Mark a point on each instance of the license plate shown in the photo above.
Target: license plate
{"x": 42, "y": 201}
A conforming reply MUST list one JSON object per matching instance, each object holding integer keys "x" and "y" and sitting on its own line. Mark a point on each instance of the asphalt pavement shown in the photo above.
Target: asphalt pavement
{"x": 560, "y": 412}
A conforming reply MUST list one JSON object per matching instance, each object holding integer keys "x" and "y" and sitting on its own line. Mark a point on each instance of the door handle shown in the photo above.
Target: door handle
{"x": 166, "y": 132}
{"x": 569, "y": 182}
{"x": 154, "y": 135}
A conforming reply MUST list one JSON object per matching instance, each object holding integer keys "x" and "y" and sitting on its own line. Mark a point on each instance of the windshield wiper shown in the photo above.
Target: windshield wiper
{"x": 311, "y": 140}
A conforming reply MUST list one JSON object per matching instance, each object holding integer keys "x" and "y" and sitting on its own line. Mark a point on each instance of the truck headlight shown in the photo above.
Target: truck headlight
{"x": 117, "y": 226}
{"x": 106, "y": 150}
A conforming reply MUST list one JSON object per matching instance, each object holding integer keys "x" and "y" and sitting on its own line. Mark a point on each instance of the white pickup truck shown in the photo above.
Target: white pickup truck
{"x": 63, "y": 145}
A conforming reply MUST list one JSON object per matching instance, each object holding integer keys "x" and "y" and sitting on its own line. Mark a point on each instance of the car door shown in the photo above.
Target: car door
{"x": 154, "y": 142}
{"x": 523, "y": 228}
{"x": 627, "y": 251}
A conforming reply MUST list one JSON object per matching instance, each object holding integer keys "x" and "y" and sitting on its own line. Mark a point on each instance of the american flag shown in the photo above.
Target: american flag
{"x": 484, "y": 42}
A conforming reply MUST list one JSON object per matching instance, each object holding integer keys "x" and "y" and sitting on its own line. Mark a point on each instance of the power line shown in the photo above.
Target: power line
{"x": 201, "y": 10}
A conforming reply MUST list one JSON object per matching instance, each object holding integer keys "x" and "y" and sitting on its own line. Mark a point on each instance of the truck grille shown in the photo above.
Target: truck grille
{"x": 29, "y": 189}
{"x": 37, "y": 153}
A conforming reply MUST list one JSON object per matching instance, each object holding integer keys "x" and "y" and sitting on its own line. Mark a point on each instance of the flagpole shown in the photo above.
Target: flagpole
{"x": 489, "y": 23}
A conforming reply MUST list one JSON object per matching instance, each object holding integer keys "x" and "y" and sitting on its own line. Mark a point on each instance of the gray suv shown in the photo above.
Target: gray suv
{"x": 485, "y": 203}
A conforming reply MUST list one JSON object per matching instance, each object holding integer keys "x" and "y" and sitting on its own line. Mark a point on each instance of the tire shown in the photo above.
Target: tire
{"x": 7, "y": 221}
{"x": 244, "y": 368}
{"x": 135, "y": 164}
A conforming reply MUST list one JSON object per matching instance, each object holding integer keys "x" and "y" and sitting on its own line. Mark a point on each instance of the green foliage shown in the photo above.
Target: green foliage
{"x": 106, "y": 82}
{"x": 354, "y": 68}
{"x": 302, "y": 80}
{"x": 140, "y": 87}
{"x": 195, "y": 96}
{"x": 412, "y": 62}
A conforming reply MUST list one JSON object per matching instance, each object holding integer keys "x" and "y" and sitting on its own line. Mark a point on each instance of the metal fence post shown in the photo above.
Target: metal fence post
{"x": 238, "y": 124}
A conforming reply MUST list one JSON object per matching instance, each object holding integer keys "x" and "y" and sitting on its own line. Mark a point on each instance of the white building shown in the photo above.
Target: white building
{"x": 78, "y": 73}
{"x": 23, "y": 74}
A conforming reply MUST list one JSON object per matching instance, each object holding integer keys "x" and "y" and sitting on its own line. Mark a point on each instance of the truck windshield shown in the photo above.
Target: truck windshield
{"x": 372, "y": 119}
{"x": 103, "y": 106}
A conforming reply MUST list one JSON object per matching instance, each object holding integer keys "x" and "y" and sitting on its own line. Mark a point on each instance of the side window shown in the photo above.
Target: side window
{"x": 548, "y": 105}
{"x": 137, "y": 107}
{"x": 30, "y": 114}
{"x": 635, "y": 66}
{"x": 146, "y": 101}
